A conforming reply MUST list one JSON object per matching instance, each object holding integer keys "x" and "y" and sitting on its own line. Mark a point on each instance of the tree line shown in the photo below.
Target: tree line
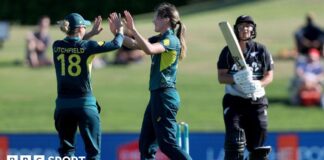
{"x": 29, "y": 11}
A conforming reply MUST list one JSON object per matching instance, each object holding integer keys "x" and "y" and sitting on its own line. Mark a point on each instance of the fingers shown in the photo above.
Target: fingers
{"x": 129, "y": 21}
{"x": 119, "y": 17}
{"x": 98, "y": 20}
{"x": 116, "y": 22}
{"x": 114, "y": 17}
{"x": 128, "y": 16}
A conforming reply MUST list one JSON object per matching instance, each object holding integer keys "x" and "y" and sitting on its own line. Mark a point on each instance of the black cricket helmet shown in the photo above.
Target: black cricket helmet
{"x": 245, "y": 19}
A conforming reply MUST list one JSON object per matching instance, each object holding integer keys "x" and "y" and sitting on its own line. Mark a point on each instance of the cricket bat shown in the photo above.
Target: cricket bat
{"x": 233, "y": 46}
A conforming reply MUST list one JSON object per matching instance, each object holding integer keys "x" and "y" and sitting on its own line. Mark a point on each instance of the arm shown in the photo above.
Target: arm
{"x": 269, "y": 66}
{"x": 142, "y": 43}
{"x": 115, "y": 28}
{"x": 223, "y": 66}
{"x": 146, "y": 46}
{"x": 224, "y": 77}
{"x": 96, "y": 29}
{"x": 267, "y": 78}
{"x": 102, "y": 46}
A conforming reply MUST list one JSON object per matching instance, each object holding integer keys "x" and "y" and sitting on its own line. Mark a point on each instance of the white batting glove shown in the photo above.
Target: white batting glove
{"x": 247, "y": 87}
{"x": 243, "y": 76}
{"x": 259, "y": 90}
{"x": 253, "y": 88}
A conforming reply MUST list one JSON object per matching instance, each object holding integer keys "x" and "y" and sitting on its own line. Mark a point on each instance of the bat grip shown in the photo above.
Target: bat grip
{"x": 253, "y": 97}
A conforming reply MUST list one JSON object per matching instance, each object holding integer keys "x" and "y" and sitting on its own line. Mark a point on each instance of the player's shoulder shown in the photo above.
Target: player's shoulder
{"x": 58, "y": 43}
{"x": 225, "y": 50}
{"x": 170, "y": 41}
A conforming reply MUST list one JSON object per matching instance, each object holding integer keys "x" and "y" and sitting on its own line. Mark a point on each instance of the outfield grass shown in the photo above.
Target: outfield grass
{"x": 27, "y": 95}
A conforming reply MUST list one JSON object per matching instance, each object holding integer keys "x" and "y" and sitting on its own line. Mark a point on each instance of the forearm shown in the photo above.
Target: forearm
{"x": 108, "y": 46}
{"x": 225, "y": 78}
{"x": 117, "y": 41}
{"x": 88, "y": 35}
{"x": 267, "y": 79}
{"x": 142, "y": 43}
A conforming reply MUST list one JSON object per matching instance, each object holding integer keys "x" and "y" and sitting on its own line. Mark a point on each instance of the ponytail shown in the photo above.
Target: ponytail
{"x": 64, "y": 27}
{"x": 167, "y": 10}
{"x": 181, "y": 35}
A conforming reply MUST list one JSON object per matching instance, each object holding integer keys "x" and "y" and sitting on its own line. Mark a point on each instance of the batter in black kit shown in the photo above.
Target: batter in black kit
{"x": 245, "y": 103}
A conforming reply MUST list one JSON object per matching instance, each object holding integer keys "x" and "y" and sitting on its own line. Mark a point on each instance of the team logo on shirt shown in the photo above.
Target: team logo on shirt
{"x": 253, "y": 54}
{"x": 166, "y": 42}
{"x": 101, "y": 43}
{"x": 255, "y": 66}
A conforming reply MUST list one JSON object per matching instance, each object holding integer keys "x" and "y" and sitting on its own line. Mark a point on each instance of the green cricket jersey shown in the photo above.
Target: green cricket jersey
{"x": 164, "y": 65}
{"x": 73, "y": 62}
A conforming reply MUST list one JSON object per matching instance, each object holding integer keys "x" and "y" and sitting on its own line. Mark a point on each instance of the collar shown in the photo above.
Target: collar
{"x": 72, "y": 38}
{"x": 168, "y": 32}
{"x": 248, "y": 45}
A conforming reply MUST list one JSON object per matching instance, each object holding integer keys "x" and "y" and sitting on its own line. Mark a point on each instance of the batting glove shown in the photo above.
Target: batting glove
{"x": 243, "y": 76}
{"x": 253, "y": 87}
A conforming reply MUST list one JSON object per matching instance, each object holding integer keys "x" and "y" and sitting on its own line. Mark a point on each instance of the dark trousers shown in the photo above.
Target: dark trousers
{"x": 249, "y": 115}
{"x": 159, "y": 126}
{"x": 67, "y": 120}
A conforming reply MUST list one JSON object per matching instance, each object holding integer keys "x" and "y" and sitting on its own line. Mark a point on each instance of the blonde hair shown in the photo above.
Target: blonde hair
{"x": 64, "y": 27}
{"x": 167, "y": 10}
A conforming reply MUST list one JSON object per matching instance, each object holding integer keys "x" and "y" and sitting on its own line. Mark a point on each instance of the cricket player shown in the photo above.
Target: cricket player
{"x": 245, "y": 103}
{"x": 76, "y": 105}
{"x": 166, "y": 49}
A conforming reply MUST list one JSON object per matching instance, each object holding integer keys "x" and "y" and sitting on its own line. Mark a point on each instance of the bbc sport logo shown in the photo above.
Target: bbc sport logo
{"x": 42, "y": 157}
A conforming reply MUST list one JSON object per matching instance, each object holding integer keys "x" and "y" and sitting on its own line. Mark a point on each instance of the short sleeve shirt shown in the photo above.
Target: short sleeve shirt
{"x": 256, "y": 56}
{"x": 73, "y": 62}
{"x": 164, "y": 66}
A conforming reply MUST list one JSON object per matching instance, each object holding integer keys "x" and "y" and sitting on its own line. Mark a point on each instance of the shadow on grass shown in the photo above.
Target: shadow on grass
{"x": 15, "y": 63}
{"x": 279, "y": 100}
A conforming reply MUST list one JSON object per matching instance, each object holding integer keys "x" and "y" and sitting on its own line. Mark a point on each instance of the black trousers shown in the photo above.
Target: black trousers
{"x": 249, "y": 115}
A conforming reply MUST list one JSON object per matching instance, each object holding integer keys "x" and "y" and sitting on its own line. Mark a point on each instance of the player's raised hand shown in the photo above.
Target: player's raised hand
{"x": 129, "y": 22}
{"x": 97, "y": 28}
{"x": 115, "y": 23}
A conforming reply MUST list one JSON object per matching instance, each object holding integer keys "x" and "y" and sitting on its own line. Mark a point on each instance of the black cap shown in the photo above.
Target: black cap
{"x": 244, "y": 19}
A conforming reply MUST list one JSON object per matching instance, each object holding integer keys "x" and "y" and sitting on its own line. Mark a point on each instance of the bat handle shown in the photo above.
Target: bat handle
{"x": 253, "y": 97}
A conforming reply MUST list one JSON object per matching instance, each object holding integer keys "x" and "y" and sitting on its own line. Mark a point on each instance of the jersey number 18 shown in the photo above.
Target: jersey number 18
{"x": 74, "y": 68}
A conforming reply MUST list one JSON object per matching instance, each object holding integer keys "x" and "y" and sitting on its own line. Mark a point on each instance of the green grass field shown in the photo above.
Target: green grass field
{"x": 27, "y": 95}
